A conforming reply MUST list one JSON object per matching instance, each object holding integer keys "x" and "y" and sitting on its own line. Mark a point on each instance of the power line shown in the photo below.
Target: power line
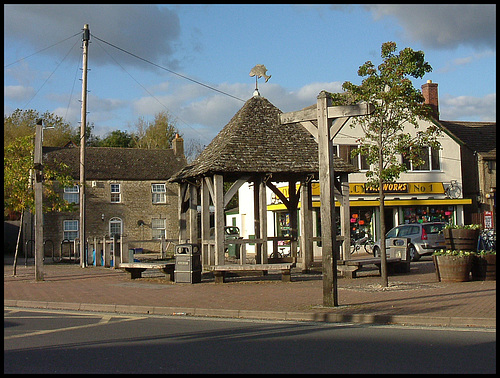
{"x": 166, "y": 69}
{"x": 46, "y": 48}
{"x": 145, "y": 89}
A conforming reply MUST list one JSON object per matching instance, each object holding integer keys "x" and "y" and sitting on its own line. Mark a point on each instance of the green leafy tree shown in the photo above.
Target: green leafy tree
{"x": 22, "y": 123}
{"x": 18, "y": 189}
{"x": 397, "y": 104}
{"x": 158, "y": 134}
{"x": 118, "y": 138}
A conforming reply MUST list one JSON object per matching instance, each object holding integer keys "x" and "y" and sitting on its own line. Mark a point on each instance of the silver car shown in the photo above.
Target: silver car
{"x": 425, "y": 238}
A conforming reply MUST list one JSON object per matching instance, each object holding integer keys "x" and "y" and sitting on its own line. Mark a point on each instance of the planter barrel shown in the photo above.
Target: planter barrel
{"x": 484, "y": 268}
{"x": 461, "y": 239}
{"x": 453, "y": 268}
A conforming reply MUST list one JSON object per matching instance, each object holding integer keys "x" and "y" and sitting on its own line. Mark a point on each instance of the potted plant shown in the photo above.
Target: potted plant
{"x": 484, "y": 266}
{"x": 453, "y": 265}
{"x": 461, "y": 237}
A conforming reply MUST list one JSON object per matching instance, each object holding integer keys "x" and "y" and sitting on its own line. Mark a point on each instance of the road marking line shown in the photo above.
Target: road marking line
{"x": 104, "y": 320}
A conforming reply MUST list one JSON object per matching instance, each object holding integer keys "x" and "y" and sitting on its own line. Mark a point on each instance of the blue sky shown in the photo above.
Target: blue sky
{"x": 305, "y": 48}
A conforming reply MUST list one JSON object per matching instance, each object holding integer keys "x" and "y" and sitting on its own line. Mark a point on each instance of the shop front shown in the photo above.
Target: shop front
{"x": 404, "y": 203}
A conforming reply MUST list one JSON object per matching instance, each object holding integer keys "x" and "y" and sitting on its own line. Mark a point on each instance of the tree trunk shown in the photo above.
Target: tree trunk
{"x": 383, "y": 254}
{"x": 17, "y": 244}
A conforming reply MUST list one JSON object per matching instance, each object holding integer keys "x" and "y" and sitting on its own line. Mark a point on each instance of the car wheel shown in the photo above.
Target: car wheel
{"x": 414, "y": 256}
{"x": 376, "y": 251}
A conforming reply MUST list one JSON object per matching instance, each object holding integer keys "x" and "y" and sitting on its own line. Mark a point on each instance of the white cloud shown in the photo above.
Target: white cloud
{"x": 444, "y": 25}
{"x": 18, "y": 92}
{"x": 468, "y": 108}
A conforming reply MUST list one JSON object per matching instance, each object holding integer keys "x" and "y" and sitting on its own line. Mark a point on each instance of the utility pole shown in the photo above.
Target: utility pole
{"x": 38, "y": 186}
{"x": 83, "y": 141}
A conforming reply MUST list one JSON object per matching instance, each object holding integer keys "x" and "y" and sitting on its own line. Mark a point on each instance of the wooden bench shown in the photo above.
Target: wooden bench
{"x": 221, "y": 270}
{"x": 350, "y": 267}
{"x": 136, "y": 268}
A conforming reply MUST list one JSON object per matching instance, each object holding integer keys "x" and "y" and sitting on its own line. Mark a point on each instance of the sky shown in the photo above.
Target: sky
{"x": 194, "y": 60}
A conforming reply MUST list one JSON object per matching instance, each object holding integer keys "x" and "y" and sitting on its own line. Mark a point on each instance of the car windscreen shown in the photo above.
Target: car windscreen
{"x": 433, "y": 228}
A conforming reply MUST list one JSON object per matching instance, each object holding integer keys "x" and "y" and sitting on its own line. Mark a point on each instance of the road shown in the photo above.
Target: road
{"x": 49, "y": 341}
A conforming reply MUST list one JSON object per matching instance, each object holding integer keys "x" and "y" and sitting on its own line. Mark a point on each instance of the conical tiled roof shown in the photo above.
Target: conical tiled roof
{"x": 255, "y": 143}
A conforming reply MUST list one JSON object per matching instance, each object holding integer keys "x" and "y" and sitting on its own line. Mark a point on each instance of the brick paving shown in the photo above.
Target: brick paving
{"x": 412, "y": 298}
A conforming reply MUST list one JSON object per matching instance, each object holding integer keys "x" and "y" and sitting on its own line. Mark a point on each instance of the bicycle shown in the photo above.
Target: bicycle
{"x": 364, "y": 241}
{"x": 453, "y": 190}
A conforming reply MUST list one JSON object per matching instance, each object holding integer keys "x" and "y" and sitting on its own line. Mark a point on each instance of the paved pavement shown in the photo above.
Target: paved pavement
{"x": 414, "y": 298}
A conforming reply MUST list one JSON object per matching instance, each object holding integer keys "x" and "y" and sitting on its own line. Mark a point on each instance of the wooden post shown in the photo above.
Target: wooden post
{"x": 327, "y": 199}
{"x": 345, "y": 216}
{"x": 263, "y": 219}
{"x": 256, "y": 218}
{"x": 207, "y": 257}
{"x": 183, "y": 187}
{"x": 219, "y": 219}
{"x": 38, "y": 186}
{"x": 306, "y": 226}
{"x": 294, "y": 199}
{"x": 193, "y": 214}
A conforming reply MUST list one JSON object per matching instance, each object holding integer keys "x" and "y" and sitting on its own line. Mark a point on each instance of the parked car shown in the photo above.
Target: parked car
{"x": 425, "y": 238}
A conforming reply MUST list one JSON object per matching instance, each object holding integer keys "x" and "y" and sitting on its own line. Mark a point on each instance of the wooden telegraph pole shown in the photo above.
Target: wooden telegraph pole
{"x": 38, "y": 186}
{"x": 83, "y": 141}
{"x": 330, "y": 120}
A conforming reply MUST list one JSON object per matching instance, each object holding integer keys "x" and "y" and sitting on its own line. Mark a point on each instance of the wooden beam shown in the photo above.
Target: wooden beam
{"x": 234, "y": 189}
{"x": 337, "y": 124}
{"x": 350, "y": 110}
{"x": 313, "y": 130}
{"x": 310, "y": 114}
{"x": 279, "y": 194}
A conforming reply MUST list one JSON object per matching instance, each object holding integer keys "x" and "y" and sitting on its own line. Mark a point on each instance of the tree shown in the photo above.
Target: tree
{"x": 18, "y": 190}
{"x": 118, "y": 138}
{"x": 158, "y": 134}
{"x": 22, "y": 123}
{"x": 397, "y": 104}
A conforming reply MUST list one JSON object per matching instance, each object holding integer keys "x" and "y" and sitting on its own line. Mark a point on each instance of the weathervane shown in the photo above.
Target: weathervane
{"x": 259, "y": 71}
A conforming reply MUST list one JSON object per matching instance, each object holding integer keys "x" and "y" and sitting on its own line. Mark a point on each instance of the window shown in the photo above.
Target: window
{"x": 159, "y": 193}
{"x": 430, "y": 158}
{"x": 359, "y": 161}
{"x": 115, "y": 226}
{"x": 115, "y": 193}
{"x": 72, "y": 194}
{"x": 158, "y": 228}
{"x": 70, "y": 229}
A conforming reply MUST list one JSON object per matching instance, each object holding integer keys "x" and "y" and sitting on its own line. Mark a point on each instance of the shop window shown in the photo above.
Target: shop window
{"x": 424, "y": 214}
{"x": 361, "y": 222}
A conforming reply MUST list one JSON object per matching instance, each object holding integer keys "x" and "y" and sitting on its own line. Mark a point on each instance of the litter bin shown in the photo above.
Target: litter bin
{"x": 187, "y": 263}
{"x": 231, "y": 233}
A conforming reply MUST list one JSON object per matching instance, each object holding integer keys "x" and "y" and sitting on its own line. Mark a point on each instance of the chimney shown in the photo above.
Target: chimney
{"x": 430, "y": 93}
{"x": 178, "y": 145}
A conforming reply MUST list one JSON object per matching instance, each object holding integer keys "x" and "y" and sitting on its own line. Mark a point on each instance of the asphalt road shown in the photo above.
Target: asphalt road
{"x": 48, "y": 341}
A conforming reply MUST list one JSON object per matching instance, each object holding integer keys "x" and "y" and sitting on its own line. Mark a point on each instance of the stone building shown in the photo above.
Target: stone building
{"x": 127, "y": 193}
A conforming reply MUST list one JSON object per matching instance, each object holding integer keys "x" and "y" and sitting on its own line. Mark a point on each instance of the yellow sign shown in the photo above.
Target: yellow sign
{"x": 357, "y": 189}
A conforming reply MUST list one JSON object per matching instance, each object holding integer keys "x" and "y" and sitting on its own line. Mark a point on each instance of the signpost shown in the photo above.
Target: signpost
{"x": 330, "y": 120}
